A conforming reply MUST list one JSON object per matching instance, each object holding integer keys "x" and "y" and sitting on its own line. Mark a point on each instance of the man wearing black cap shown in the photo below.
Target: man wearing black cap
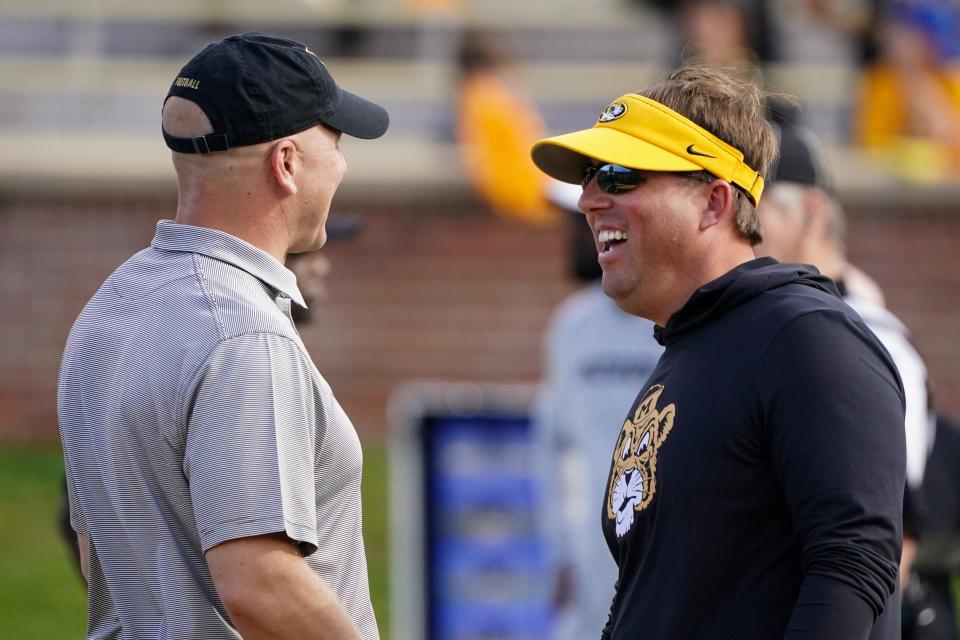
{"x": 214, "y": 480}
{"x": 803, "y": 222}
{"x": 755, "y": 487}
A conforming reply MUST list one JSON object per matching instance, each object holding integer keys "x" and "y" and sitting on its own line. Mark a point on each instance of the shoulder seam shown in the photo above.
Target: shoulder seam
{"x": 221, "y": 333}
{"x": 202, "y": 280}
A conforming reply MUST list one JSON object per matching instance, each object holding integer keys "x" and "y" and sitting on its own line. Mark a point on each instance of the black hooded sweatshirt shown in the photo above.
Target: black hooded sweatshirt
{"x": 756, "y": 486}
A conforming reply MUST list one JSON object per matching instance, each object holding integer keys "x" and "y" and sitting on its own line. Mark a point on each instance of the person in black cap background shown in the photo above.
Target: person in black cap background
{"x": 803, "y": 222}
{"x": 213, "y": 479}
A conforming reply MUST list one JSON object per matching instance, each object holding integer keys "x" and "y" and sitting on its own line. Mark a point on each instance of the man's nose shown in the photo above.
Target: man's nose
{"x": 593, "y": 199}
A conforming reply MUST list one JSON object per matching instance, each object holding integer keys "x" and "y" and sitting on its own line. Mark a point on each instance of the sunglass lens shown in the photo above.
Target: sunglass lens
{"x": 612, "y": 178}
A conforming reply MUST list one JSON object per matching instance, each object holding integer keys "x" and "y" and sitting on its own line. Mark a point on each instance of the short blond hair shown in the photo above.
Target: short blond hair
{"x": 731, "y": 108}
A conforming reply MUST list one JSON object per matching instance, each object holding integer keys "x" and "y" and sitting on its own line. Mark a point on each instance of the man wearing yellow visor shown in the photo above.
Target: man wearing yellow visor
{"x": 755, "y": 488}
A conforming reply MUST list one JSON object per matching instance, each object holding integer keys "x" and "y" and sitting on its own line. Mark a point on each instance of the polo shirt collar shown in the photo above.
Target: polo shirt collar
{"x": 222, "y": 246}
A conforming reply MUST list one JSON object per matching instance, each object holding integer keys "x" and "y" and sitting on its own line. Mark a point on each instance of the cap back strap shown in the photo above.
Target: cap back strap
{"x": 199, "y": 144}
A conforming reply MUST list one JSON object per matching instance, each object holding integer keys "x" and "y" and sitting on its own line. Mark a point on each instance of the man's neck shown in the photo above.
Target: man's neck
{"x": 257, "y": 228}
{"x": 714, "y": 267}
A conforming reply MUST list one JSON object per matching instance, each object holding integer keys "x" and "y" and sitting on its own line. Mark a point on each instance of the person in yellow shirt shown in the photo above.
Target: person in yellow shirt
{"x": 497, "y": 125}
{"x": 910, "y": 97}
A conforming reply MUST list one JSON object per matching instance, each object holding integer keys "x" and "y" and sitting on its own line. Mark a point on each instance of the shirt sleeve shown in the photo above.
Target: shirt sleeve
{"x": 833, "y": 408}
{"x": 251, "y": 442}
{"x": 913, "y": 373}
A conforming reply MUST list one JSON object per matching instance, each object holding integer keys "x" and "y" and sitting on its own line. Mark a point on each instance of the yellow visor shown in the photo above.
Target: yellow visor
{"x": 641, "y": 133}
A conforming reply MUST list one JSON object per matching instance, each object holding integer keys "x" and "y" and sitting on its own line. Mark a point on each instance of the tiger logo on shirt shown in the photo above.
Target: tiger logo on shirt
{"x": 633, "y": 480}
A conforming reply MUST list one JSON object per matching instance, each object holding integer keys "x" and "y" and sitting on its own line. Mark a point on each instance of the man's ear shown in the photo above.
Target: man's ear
{"x": 720, "y": 204}
{"x": 816, "y": 211}
{"x": 285, "y": 166}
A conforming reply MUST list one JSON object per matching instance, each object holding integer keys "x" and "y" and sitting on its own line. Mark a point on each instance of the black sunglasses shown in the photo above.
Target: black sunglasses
{"x": 612, "y": 178}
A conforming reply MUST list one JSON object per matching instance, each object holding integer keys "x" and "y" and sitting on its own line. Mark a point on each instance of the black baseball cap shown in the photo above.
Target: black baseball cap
{"x": 802, "y": 158}
{"x": 255, "y": 87}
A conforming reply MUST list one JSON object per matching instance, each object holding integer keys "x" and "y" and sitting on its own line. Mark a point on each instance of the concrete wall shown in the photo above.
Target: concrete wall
{"x": 426, "y": 291}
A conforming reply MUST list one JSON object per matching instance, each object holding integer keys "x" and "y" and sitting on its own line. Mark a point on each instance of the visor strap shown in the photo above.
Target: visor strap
{"x": 753, "y": 187}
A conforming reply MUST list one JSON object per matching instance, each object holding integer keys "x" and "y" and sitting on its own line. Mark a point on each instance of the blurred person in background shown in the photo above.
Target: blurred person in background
{"x": 596, "y": 357}
{"x": 214, "y": 480}
{"x": 434, "y": 6}
{"x": 909, "y": 98}
{"x": 856, "y": 19}
{"x": 496, "y": 126}
{"x": 803, "y": 222}
{"x": 312, "y": 268}
{"x": 930, "y": 593}
{"x": 755, "y": 489}
{"x": 728, "y": 34}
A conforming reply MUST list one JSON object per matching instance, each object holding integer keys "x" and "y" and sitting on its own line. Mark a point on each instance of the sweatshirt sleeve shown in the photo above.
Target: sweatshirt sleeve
{"x": 832, "y": 408}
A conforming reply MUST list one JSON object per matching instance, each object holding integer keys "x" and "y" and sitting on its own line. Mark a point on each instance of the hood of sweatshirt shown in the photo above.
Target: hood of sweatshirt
{"x": 737, "y": 287}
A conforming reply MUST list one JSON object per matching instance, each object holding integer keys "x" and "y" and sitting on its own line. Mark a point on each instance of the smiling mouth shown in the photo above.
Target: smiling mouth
{"x": 608, "y": 239}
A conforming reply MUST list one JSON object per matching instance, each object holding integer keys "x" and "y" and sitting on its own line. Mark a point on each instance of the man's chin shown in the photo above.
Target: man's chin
{"x": 626, "y": 296}
{"x": 613, "y": 288}
{"x": 310, "y": 245}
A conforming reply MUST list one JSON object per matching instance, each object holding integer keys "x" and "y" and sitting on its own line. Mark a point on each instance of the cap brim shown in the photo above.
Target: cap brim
{"x": 565, "y": 157}
{"x": 358, "y": 117}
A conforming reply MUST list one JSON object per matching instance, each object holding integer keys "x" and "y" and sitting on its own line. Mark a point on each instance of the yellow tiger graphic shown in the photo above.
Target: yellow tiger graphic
{"x": 633, "y": 481}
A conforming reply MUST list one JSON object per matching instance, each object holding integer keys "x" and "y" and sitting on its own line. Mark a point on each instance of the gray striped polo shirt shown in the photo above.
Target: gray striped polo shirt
{"x": 191, "y": 414}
